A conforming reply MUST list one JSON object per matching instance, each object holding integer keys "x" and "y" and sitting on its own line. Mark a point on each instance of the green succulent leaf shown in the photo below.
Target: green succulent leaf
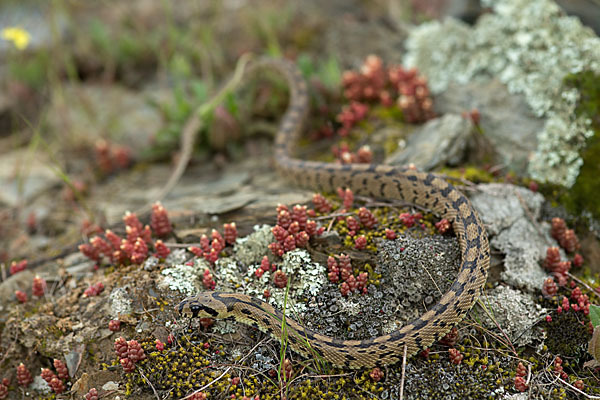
{"x": 595, "y": 315}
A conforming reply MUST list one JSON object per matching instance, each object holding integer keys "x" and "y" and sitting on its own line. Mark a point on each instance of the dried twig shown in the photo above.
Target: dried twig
{"x": 403, "y": 373}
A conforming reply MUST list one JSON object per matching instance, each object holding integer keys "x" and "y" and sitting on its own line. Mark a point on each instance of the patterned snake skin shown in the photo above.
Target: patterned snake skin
{"x": 424, "y": 189}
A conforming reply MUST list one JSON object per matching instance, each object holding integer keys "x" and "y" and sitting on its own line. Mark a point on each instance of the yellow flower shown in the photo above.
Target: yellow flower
{"x": 19, "y": 36}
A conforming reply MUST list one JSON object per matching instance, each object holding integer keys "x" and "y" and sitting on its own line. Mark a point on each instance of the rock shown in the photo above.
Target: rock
{"x": 115, "y": 112}
{"x": 509, "y": 213}
{"x": 23, "y": 176}
{"x": 439, "y": 142}
{"x": 522, "y": 44}
{"x": 506, "y": 119}
{"x": 514, "y": 311}
{"x": 20, "y": 281}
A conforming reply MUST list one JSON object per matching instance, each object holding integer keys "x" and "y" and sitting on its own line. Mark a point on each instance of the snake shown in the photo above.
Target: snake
{"x": 424, "y": 189}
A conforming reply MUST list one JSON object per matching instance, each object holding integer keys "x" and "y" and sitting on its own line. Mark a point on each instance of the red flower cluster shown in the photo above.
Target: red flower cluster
{"x": 94, "y": 290}
{"x": 376, "y": 374}
{"x": 294, "y": 229}
{"x": 24, "y": 377}
{"x": 353, "y": 225}
{"x": 558, "y": 369}
{"x": 350, "y": 116}
{"x": 451, "y": 337}
{"x": 162, "y": 251}
{"x": 92, "y": 394}
{"x": 114, "y": 325}
{"x": 322, "y": 205}
{"x": 111, "y": 158}
{"x": 342, "y": 270}
{"x": 347, "y": 197}
{"x": 129, "y": 353}
{"x": 16, "y": 267}
{"x": 376, "y": 83}
{"x": 39, "y": 286}
{"x": 21, "y": 296}
{"x": 367, "y": 218}
{"x": 55, "y": 382}
{"x": 521, "y": 370}
{"x": 521, "y": 384}
{"x": 230, "y": 233}
{"x": 566, "y": 237}
{"x": 159, "y": 220}
{"x": 265, "y": 266}
{"x": 455, "y": 356}
{"x": 280, "y": 279}
{"x": 360, "y": 242}
{"x": 549, "y": 289}
{"x": 553, "y": 263}
{"x": 443, "y": 226}
{"x": 582, "y": 303}
{"x": 135, "y": 247}
{"x": 409, "y": 220}
{"x": 207, "y": 280}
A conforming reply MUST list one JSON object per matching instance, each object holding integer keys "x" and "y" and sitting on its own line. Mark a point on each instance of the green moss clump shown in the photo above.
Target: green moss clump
{"x": 470, "y": 173}
{"x": 567, "y": 337}
{"x": 582, "y": 196}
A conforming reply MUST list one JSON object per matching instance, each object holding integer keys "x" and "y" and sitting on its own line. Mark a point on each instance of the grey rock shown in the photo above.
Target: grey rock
{"x": 23, "y": 176}
{"x": 439, "y": 142}
{"x": 510, "y": 214}
{"x": 19, "y": 281}
{"x": 506, "y": 119}
{"x": 514, "y": 311}
{"x": 118, "y": 113}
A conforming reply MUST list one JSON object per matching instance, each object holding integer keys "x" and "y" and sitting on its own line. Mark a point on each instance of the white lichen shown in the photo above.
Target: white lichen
{"x": 120, "y": 302}
{"x": 184, "y": 278}
{"x": 306, "y": 278}
{"x": 251, "y": 249}
{"x": 514, "y": 311}
{"x": 530, "y": 45}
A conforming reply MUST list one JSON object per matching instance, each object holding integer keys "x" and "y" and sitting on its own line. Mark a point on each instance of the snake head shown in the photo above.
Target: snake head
{"x": 204, "y": 305}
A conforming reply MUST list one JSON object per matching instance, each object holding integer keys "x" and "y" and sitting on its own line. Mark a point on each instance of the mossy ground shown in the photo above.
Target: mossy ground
{"x": 582, "y": 196}
{"x": 135, "y": 54}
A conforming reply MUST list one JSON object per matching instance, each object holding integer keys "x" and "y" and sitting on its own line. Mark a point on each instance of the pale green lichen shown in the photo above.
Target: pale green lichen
{"x": 530, "y": 45}
{"x": 120, "y": 302}
{"x": 184, "y": 278}
{"x": 306, "y": 278}
{"x": 251, "y": 249}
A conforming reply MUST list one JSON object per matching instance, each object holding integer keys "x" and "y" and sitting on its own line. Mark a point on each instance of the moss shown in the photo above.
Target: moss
{"x": 567, "y": 336}
{"x": 582, "y": 196}
{"x": 192, "y": 364}
{"x": 471, "y": 173}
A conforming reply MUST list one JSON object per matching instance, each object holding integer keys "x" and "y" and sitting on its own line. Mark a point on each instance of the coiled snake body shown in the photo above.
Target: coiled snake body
{"x": 424, "y": 189}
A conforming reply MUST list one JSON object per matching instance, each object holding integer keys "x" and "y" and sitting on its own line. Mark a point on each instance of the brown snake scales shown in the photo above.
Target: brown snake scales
{"x": 381, "y": 181}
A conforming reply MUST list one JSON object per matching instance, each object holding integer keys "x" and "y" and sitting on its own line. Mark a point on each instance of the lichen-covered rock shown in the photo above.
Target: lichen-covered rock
{"x": 509, "y": 213}
{"x": 186, "y": 279}
{"x": 411, "y": 276}
{"x": 505, "y": 120}
{"x": 530, "y": 46}
{"x": 514, "y": 311}
{"x": 251, "y": 249}
{"x": 441, "y": 141}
